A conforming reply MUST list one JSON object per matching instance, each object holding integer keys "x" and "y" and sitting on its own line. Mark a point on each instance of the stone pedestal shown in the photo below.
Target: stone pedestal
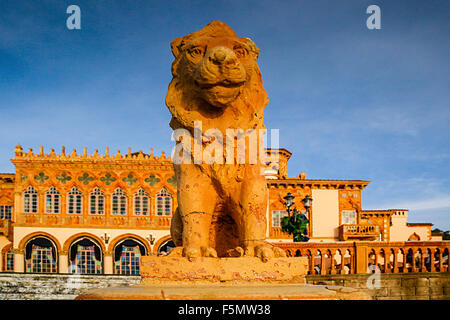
{"x": 244, "y": 278}
{"x": 220, "y": 270}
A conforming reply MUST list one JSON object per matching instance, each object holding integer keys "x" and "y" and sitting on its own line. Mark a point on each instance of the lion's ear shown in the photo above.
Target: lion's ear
{"x": 254, "y": 49}
{"x": 175, "y": 46}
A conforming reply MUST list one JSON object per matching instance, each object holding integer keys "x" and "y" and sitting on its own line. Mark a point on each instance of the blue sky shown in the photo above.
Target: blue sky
{"x": 350, "y": 103}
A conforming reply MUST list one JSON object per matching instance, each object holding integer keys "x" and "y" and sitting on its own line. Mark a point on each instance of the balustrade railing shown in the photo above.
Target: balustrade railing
{"x": 368, "y": 256}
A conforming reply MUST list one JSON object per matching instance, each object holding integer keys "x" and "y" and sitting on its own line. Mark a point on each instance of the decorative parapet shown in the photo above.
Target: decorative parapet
{"x": 74, "y": 156}
{"x": 318, "y": 183}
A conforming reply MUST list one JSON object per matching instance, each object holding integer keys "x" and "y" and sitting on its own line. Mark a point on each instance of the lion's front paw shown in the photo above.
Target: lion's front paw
{"x": 236, "y": 252}
{"x": 209, "y": 252}
{"x": 266, "y": 252}
{"x": 196, "y": 252}
{"x": 192, "y": 252}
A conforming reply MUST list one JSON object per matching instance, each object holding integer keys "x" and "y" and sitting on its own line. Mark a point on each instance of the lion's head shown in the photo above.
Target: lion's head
{"x": 214, "y": 71}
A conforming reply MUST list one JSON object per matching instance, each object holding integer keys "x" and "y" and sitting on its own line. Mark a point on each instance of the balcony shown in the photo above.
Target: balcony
{"x": 358, "y": 232}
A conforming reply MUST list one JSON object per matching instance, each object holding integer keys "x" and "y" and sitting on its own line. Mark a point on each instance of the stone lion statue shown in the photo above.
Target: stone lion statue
{"x": 221, "y": 207}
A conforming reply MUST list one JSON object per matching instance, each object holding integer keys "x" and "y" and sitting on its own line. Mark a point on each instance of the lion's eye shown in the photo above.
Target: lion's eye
{"x": 196, "y": 51}
{"x": 240, "y": 52}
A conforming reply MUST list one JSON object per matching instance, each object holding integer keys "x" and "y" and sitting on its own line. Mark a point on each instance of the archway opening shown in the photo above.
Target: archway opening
{"x": 41, "y": 255}
{"x": 127, "y": 256}
{"x": 165, "y": 248}
{"x": 85, "y": 257}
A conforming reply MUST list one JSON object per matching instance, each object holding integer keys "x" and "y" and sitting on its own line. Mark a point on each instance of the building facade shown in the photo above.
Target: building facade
{"x": 98, "y": 214}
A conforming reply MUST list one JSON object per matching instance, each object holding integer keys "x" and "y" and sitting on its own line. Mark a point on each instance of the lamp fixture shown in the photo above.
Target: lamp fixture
{"x": 151, "y": 239}
{"x": 105, "y": 238}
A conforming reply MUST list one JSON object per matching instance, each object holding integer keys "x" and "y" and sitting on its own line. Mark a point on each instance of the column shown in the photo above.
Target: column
{"x": 19, "y": 261}
{"x": 405, "y": 253}
{"x": 108, "y": 263}
{"x": 376, "y": 260}
{"x": 414, "y": 261}
{"x": 422, "y": 262}
{"x": 63, "y": 262}
{"x": 17, "y": 206}
{"x": 322, "y": 263}
{"x": 395, "y": 270}
{"x": 432, "y": 267}
{"x": 332, "y": 271}
{"x": 387, "y": 260}
{"x": 311, "y": 263}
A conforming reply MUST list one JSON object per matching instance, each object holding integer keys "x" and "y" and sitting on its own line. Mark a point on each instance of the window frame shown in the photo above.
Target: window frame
{"x": 55, "y": 201}
{"x": 165, "y": 195}
{"x": 98, "y": 194}
{"x": 348, "y": 220}
{"x": 5, "y": 213}
{"x": 33, "y": 196}
{"x": 76, "y": 194}
{"x": 119, "y": 196}
{"x": 279, "y": 215}
{"x": 139, "y": 197}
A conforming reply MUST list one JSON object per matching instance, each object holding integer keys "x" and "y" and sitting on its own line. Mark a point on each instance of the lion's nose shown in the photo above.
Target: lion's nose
{"x": 219, "y": 56}
{"x": 222, "y": 55}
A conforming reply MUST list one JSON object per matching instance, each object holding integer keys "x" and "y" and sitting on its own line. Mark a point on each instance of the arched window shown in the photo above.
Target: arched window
{"x": 119, "y": 202}
{"x": 97, "y": 202}
{"x": 75, "y": 201}
{"x": 40, "y": 256}
{"x": 85, "y": 257}
{"x": 127, "y": 256}
{"x": 52, "y": 203}
{"x": 30, "y": 200}
{"x": 163, "y": 203}
{"x": 141, "y": 203}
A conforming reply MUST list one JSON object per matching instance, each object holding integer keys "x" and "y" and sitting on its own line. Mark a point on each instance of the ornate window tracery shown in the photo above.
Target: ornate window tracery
{"x": 119, "y": 202}
{"x": 30, "y": 200}
{"x": 41, "y": 256}
{"x": 85, "y": 257}
{"x": 163, "y": 203}
{"x": 141, "y": 203}
{"x": 52, "y": 201}
{"x": 97, "y": 202}
{"x": 75, "y": 201}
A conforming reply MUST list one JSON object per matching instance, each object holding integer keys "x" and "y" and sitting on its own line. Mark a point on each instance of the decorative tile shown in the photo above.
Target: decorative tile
{"x": 85, "y": 178}
{"x": 172, "y": 181}
{"x": 108, "y": 179}
{"x": 41, "y": 177}
{"x": 152, "y": 180}
{"x": 130, "y": 180}
{"x": 63, "y": 178}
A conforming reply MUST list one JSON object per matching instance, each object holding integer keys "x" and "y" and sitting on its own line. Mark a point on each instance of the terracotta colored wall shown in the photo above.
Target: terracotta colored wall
{"x": 325, "y": 214}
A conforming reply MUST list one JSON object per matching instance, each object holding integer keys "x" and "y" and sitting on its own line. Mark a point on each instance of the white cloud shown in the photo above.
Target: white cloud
{"x": 439, "y": 202}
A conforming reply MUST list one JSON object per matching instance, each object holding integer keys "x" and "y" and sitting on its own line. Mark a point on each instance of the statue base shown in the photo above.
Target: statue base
{"x": 243, "y": 278}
